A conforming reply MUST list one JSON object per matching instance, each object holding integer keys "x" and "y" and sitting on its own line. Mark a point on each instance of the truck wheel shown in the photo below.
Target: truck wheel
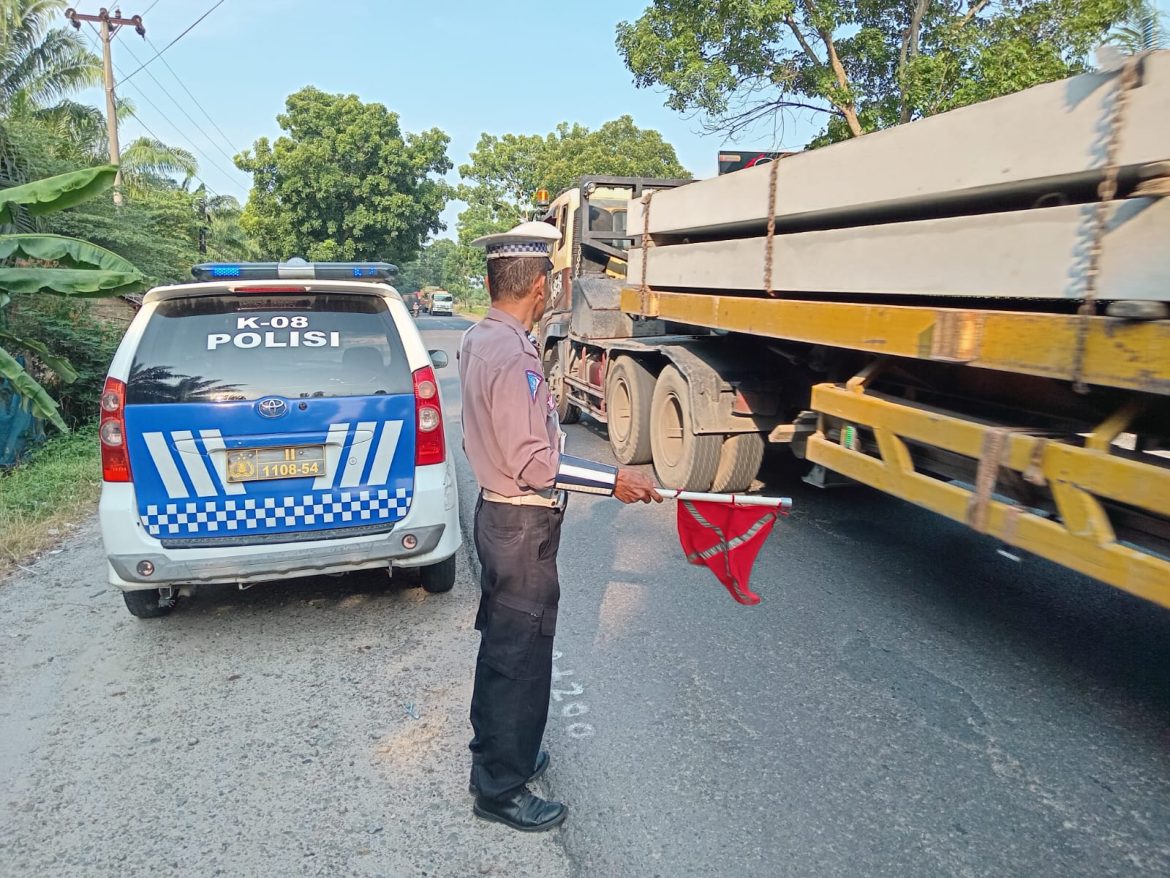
{"x": 739, "y": 463}
{"x": 567, "y": 413}
{"x": 629, "y": 391}
{"x": 143, "y": 603}
{"x": 438, "y": 578}
{"x": 683, "y": 460}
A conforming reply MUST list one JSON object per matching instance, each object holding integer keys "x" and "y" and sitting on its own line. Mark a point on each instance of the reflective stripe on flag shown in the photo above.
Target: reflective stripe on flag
{"x": 726, "y": 539}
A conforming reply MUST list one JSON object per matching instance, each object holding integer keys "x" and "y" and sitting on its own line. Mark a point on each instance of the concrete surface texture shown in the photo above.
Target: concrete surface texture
{"x": 905, "y": 702}
{"x": 1055, "y": 133}
{"x": 1036, "y": 254}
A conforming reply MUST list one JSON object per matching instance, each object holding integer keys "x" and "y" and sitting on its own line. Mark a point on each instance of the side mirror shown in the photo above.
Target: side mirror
{"x": 439, "y": 359}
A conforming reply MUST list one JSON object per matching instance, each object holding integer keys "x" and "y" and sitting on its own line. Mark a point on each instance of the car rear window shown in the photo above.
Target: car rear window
{"x": 220, "y": 348}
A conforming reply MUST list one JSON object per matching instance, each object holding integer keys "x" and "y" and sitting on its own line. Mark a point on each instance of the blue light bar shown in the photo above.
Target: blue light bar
{"x": 295, "y": 269}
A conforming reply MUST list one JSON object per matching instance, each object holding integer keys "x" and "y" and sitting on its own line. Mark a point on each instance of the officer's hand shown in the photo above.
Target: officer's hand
{"x": 633, "y": 487}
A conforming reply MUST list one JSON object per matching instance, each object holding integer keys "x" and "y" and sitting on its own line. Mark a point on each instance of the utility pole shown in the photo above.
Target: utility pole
{"x": 110, "y": 25}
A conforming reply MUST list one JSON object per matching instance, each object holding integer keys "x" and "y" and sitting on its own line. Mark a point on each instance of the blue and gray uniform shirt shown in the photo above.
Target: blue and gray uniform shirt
{"x": 510, "y": 429}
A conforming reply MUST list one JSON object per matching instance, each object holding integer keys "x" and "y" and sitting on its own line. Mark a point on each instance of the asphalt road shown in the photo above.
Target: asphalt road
{"x": 904, "y": 702}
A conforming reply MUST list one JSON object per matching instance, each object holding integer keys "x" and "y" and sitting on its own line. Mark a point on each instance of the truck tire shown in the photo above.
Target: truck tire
{"x": 438, "y": 578}
{"x": 144, "y": 604}
{"x": 683, "y": 460}
{"x": 567, "y": 413}
{"x": 628, "y": 394}
{"x": 739, "y": 463}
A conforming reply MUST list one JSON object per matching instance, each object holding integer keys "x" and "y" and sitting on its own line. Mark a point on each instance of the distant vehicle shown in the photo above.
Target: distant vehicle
{"x": 413, "y": 302}
{"x": 737, "y": 161}
{"x": 273, "y": 420}
{"x": 440, "y": 302}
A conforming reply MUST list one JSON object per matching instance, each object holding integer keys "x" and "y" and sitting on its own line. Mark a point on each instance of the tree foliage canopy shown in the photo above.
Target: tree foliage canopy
{"x": 447, "y": 265}
{"x": 865, "y": 64}
{"x": 344, "y": 182}
{"x": 505, "y": 172}
{"x": 40, "y": 61}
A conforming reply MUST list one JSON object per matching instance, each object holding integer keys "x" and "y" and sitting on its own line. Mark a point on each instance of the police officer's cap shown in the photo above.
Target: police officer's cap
{"x": 527, "y": 239}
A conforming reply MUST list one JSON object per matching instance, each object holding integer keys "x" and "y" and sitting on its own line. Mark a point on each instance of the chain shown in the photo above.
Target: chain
{"x": 1106, "y": 193}
{"x": 773, "y": 173}
{"x": 647, "y": 244}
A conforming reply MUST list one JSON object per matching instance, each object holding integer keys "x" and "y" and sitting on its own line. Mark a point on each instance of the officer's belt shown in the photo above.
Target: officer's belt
{"x": 551, "y": 499}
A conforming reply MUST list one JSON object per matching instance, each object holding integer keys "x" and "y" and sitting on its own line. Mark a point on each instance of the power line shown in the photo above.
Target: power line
{"x": 138, "y": 119}
{"x": 150, "y": 7}
{"x": 182, "y": 110}
{"x": 173, "y": 125}
{"x": 180, "y": 131}
{"x": 210, "y": 161}
{"x": 179, "y": 37}
{"x": 210, "y": 118}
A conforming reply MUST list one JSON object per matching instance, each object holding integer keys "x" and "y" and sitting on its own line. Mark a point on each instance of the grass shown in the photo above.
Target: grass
{"x": 58, "y": 485}
{"x": 472, "y": 312}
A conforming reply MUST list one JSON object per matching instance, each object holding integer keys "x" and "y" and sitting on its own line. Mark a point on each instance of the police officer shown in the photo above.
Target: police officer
{"x": 514, "y": 444}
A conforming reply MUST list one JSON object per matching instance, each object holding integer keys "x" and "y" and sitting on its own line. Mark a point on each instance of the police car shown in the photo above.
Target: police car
{"x": 273, "y": 420}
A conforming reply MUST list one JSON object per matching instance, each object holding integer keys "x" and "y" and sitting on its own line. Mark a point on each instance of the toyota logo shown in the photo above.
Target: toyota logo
{"x": 271, "y": 407}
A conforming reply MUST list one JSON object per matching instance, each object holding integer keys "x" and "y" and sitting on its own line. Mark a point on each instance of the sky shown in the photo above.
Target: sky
{"x": 508, "y": 66}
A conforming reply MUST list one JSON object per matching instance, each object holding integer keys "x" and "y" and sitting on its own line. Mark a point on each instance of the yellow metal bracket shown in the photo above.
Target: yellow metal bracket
{"x": 1079, "y": 477}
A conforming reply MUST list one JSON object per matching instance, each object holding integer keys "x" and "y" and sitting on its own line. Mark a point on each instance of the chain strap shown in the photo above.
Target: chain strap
{"x": 1106, "y": 193}
{"x": 647, "y": 245}
{"x": 773, "y": 173}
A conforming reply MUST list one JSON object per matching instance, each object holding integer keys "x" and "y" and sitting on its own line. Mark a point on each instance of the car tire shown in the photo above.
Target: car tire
{"x": 683, "y": 459}
{"x": 438, "y": 578}
{"x": 144, "y": 603}
{"x": 628, "y": 393}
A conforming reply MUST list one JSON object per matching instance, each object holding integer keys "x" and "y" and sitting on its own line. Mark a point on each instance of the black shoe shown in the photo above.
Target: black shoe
{"x": 542, "y": 760}
{"x": 522, "y": 811}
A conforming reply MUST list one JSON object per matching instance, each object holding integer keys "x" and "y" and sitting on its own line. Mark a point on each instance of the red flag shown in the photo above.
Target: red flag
{"x": 726, "y": 538}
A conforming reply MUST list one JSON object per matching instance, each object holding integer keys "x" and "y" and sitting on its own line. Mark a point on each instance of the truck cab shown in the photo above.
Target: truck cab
{"x": 668, "y": 394}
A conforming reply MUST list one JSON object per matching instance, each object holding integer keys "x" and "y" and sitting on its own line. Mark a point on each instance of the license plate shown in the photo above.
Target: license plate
{"x": 281, "y": 462}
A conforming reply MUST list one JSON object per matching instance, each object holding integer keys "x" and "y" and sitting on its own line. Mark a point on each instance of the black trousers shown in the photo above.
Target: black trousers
{"x": 517, "y": 619}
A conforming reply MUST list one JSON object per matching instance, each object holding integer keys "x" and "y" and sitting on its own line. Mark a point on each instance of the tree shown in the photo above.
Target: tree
{"x": 40, "y": 62}
{"x": 861, "y": 64}
{"x": 505, "y": 172}
{"x": 36, "y": 263}
{"x": 151, "y": 164}
{"x": 344, "y": 182}
{"x": 446, "y": 265}
{"x": 1143, "y": 31}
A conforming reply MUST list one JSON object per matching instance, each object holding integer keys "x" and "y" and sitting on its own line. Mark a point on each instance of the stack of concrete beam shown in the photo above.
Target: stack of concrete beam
{"x": 994, "y": 200}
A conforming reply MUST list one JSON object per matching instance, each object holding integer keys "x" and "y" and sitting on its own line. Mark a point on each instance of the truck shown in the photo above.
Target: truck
{"x": 970, "y": 312}
{"x": 437, "y": 301}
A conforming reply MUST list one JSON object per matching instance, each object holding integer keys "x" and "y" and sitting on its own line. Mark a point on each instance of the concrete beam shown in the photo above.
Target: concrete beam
{"x": 1043, "y": 140}
{"x": 1033, "y": 254}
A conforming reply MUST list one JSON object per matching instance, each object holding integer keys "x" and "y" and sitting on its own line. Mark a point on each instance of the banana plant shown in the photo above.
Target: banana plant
{"x": 57, "y": 265}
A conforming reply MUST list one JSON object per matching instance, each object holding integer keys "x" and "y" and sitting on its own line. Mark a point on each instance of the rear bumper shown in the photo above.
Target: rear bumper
{"x": 433, "y": 520}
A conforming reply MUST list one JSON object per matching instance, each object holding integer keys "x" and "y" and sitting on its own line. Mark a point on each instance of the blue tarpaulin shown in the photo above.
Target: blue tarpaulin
{"x": 20, "y": 430}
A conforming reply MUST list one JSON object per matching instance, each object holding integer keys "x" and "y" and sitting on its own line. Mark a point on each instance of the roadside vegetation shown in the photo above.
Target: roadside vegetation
{"x": 54, "y": 488}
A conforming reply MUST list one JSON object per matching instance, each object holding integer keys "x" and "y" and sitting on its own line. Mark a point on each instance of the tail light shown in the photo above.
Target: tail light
{"x": 429, "y": 444}
{"x": 112, "y": 430}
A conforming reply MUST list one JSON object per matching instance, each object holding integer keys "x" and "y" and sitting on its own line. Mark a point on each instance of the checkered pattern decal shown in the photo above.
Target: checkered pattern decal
{"x": 240, "y": 515}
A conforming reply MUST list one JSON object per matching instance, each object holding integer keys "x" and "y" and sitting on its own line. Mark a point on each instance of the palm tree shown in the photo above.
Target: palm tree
{"x": 1142, "y": 32}
{"x": 40, "y": 62}
{"x": 150, "y": 164}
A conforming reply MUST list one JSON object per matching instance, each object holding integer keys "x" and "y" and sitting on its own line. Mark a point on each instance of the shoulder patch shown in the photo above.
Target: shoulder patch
{"x": 534, "y": 379}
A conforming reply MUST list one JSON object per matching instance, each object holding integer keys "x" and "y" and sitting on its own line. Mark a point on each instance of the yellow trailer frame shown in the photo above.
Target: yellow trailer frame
{"x": 1116, "y": 353}
{"x": 1134, "y": 355}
